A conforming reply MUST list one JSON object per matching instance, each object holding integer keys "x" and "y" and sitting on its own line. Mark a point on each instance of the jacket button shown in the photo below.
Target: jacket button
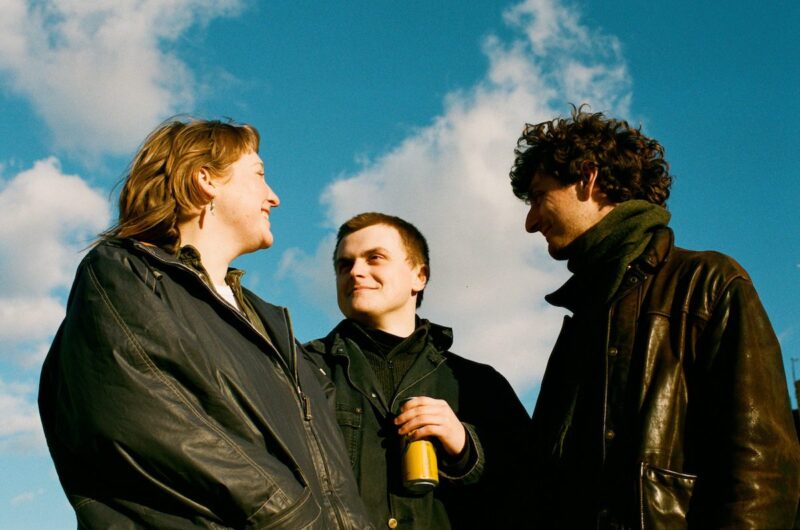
{"x": 612, "y": 351}
{"x": 633, "y": 279}
{"x": 374, "y": 395}
{"x": 358, "y": 410}
{"x": 392, "y": 523}
{"x": 610, "y": 435}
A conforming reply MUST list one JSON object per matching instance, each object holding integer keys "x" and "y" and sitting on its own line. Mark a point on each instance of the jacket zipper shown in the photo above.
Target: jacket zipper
{"x": 420, "y": 378}
{"x": 306, "y": 402}
{"x": 306, "y": 406}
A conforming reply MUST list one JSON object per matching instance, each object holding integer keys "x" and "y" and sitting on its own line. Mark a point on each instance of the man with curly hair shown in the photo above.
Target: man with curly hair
{"x": 664, "y": 402}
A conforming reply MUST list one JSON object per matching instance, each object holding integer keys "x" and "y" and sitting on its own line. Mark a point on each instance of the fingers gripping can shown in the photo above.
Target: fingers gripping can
{"x": 420, "y": 470}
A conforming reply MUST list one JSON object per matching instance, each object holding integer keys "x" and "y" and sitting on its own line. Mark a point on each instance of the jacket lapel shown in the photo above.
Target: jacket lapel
{"x": 276, "y": 325}
{"x": 359, "y": 373}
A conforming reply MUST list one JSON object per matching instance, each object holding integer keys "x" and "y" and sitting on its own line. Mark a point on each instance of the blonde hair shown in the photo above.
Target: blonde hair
{"x": 159, "y": 190}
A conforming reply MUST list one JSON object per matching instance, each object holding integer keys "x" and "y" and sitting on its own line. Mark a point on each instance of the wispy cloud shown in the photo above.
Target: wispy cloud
{"x": 101, "y": 74}
{"x": 26, "y": 497}
{"x": 450, "y": 179}
{"x": 786, "y": 335}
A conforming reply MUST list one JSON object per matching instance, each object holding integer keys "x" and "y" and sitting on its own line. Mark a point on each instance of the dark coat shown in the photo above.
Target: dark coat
{"x": 681, "y": 413}
{"x": 163, "y": 407}
{"x": 482, "y": 496}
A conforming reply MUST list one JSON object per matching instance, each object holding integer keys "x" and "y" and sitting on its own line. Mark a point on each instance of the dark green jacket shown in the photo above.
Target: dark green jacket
{"x": 667, "y": 407}
{"x": 164, "y": 407}
{"x": 485, "y": 494}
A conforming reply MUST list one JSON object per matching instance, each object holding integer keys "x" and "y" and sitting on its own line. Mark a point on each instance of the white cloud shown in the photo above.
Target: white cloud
{"x": 314, "y": 275}
{"x": 100, "y": 73}
{"x": 450, "y": 179}
{"x": 20, "y": 427}
{"x": 26, "y": 497}
{"x": 46, "y": 219}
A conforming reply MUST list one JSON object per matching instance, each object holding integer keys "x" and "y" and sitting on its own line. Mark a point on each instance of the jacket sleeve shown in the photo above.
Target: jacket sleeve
{"x": 749, "y": 464}
{"x": 500, "y": 427}
{"x": 139, "y": 437}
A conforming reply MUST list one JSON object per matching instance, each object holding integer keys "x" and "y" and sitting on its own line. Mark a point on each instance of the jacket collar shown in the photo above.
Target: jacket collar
{"x": 274, "y": 318}
{"x": 357, "y": 368}
{"x": 657, "y": 252}
{"x": 441, "y": 338}
{"x": 570, "y": 295}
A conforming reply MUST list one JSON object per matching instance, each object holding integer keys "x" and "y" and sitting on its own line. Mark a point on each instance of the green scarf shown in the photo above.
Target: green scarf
{"x": 600, "y": 256}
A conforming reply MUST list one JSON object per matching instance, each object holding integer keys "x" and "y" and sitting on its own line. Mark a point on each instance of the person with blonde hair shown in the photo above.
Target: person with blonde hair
{"x": 172, "y": 397}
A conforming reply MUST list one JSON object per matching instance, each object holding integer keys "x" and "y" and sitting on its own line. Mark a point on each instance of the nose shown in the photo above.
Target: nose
{"x": 532, "y": 221}
{"x": 272, "y": 198}
{"x": 358, "y": 268}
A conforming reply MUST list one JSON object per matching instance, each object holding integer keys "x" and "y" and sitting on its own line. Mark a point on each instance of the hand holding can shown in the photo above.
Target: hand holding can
{"x": 422, "y": 419}
{"x": 428, "y": 418}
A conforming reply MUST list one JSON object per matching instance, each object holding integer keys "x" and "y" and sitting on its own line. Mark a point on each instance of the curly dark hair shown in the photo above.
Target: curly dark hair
{"x": 630, "y": 165}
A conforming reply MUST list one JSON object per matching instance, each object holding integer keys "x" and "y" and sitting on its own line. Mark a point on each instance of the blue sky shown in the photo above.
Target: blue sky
{"x": 407, "y": 107}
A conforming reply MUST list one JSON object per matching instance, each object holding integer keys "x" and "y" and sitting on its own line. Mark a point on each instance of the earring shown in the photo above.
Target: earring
{"x": 211, "y": 207}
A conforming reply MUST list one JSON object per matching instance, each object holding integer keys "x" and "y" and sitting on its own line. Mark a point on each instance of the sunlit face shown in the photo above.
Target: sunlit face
{"x": 376, "y": 284}
{"x": 559, "y": 213}
{"x": 242, "y": 204}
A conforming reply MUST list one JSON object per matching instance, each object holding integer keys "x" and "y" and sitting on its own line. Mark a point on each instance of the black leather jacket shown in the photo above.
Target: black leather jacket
{"x": 164, "y": 407}
{"x": 482, "y": 496}
{"x": 682, "y": 414}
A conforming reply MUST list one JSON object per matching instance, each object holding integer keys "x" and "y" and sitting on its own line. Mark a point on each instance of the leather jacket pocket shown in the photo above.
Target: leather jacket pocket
{"x": 664, "y": 497}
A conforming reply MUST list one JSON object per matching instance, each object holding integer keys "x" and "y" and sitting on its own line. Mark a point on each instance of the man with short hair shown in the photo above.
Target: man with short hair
{"x": 394, "y": 378}
{"x": 664, "y": 402}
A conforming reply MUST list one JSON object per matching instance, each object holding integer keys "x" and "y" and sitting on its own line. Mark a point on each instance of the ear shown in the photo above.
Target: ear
{"x": 420, "y": 278}
{"x": 205, "y": 183}
{"x": 587, "y": 186}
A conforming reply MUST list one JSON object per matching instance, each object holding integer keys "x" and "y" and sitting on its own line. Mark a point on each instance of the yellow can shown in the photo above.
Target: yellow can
{"x": 420, "y": 469}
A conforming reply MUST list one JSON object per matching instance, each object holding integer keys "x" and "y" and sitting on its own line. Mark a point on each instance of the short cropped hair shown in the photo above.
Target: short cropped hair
{"x": 629, "y": 164}
{"x": 159, "y": 190}
{"x": 415, "y": 244}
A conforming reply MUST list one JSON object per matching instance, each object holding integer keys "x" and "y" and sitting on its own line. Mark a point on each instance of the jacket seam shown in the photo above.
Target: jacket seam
{"x": 479, "y": 457}
{"x": 724, "y": 289}
{"x": 151, "y": 365}
{"x": 287, "y": 514}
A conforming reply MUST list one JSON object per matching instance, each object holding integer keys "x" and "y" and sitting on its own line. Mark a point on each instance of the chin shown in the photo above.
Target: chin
{"x": 265, "y": 242}
{"x": 359, "y": 314}
{"x": 555, "y": 251}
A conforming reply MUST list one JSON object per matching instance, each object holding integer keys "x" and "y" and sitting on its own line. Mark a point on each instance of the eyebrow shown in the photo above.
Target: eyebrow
{"x": 380, "y": 250}
{"x": 344, "y": 259}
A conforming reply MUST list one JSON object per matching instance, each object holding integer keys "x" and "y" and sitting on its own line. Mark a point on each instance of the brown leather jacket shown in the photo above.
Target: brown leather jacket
{"x": 679, "y": 409}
